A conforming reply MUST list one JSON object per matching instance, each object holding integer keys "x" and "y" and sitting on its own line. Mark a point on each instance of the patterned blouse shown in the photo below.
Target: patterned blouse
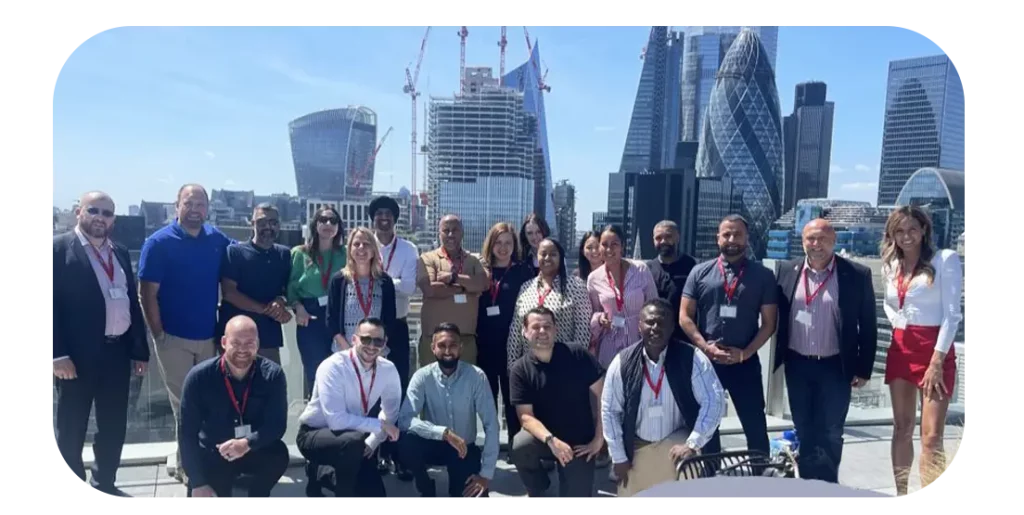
{"x": 639, "y": 288}
{"x": 354, "y": 311}
{"x": 572, "y": 314}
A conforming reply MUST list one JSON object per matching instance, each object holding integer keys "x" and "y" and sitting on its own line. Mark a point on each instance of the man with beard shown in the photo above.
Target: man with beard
{"x": 722, "y": 302}
{"x": 339, "y": 428}
{"x": 450, "y": 394}
{"x": 234, "y": 410}
{"x": 254, "y": 281}
{"x": 179, "y": 278}
{"x": 670, "y": 269}
{"x": 452, "y": 280}
{"x": 649, "y": 429}
{"x": 99, "y": 339}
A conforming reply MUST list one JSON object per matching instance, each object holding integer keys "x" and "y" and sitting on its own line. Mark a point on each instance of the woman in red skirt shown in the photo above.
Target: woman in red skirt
{"x": 922, "y": 301}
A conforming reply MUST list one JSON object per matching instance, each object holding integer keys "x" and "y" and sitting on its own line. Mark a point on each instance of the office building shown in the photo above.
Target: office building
{"x": 565, "y": 214}
{"x": 526, "y": 79}
{"x": 331, "y": 152}
{"x": 941, "y": 193}
{"x": 654, "y": 125}
{"x": 599, "y": 219}
{"x": 807, "y": 134}
{"x": 859, "y": 227}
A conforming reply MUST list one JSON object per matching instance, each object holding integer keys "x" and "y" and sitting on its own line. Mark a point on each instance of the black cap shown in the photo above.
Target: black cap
{"x": 383, "y": 203}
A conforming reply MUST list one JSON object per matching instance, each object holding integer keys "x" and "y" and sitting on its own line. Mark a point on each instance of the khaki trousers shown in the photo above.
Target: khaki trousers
{"x": 176, "y": 356}
{"x": 426, "y": 355}
{"x": 652, "y": 464}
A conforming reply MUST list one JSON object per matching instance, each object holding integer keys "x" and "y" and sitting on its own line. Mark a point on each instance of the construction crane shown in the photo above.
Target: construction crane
{"x": 462, "y": 61}
{"x": 411, "y": 79}
{"x": 357, "y": 179}
{"x": 643, "y": 52}
{"x": 502, "y": 43}
{"x": 529, "y": 52}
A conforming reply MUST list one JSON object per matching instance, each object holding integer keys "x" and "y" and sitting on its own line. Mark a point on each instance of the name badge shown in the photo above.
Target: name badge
{"x": 619, "y": 321}
{"x": 460, "y": 298}
{"x": 118, "y": 293}
{"x": 727, "y": 312}
{"x": 654, "y": 411}
{"x": 493, "y": 311}
{"x": 243, "y": 431}
{"x": 899, "y": 321}
{"x": 322, "y": 301}
{"x": 804, "y": 317}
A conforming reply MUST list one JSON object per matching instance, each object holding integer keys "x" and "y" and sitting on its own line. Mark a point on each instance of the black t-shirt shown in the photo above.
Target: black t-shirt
{"x": 262, "y": 275}
{"x": 670, "y": 280}
{"x": 559, "y": 391}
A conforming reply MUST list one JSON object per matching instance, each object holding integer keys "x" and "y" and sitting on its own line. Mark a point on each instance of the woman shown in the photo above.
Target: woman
{"x": 922, "y": 301}
{"x": 534, "y": 230}
{"x": 565, "y": 295}
{"x": 497, "y": 307}
{"x": 361, "y": 290}
{"x": 313, "y": 264}
{"x": 590, "y": 254}
{"x": 618, "y": 290}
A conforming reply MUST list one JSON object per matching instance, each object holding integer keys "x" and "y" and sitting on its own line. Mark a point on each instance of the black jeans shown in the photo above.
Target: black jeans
{"x": 495, "y": 366}
{"x": 819, "y": 398}
{"x": 342, "y": 451}
{"x": 419, "y": 453}
{"x": 574, "y": 480}
{"x": 265, "y": 466}
{"x": 314, "y": 343}
{"x": 743, "y": 382}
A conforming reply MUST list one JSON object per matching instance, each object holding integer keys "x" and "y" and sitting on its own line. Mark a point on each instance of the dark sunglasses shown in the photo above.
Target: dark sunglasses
{"x": 95, "y": 211}
{"x": 330, "y": 220}
{"x": 376, "y": 342}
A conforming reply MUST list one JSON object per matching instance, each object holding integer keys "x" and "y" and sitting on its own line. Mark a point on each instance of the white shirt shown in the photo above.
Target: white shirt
{"x": 930, "y": 305}
{"x": 402, "y": 270}
{"x": 336, "y": 402}
{"x": 707, "y": 390}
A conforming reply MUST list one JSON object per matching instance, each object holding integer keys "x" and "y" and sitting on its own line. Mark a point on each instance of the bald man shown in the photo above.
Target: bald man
{"x": 827, "y": 335}
{"x": 451, "y": 280}
{"x": 234, "y": 411}
{"x": 99, "y": 339}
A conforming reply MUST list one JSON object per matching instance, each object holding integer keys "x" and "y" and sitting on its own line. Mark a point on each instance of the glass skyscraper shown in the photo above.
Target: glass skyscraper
{"x": 808, "y": 139}
{"x": 742, "y": 135}
{"x": 654, "y": 125}
{"x": 525, "y": 80}
{"x": 330, "y": 149}
{"x": 924, "y": 122}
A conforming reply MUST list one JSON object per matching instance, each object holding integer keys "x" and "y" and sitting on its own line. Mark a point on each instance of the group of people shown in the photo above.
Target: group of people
{"x": 579, "y": 360}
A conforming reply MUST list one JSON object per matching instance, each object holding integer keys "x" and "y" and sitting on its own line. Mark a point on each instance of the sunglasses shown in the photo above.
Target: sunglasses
{"x": 95, "y": 211}
{"x": 376, "y": 342}
{"x": 329, "y": 220}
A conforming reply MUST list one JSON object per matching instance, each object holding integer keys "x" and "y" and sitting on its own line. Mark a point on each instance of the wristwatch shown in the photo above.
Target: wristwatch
{"x": 548, "y": 438}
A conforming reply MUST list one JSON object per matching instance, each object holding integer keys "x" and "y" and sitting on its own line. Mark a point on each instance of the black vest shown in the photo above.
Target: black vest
{"x": 678, "y": 370}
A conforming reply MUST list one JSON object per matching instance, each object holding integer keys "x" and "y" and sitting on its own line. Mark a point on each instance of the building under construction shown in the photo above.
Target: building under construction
{"x": 482, "y": 165}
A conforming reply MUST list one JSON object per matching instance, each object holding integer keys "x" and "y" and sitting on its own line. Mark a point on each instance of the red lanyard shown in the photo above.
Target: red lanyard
{"x": 368, "y": 305}
{"x": 108, "y": 266}
{"x": 454, "y": 270}
{"x": 656, "y": 388}
{"x": 543, "y": 295}
{"x": 730, "y": 286}
{"x": 809, "y": 297}
{"x": 901, "y": 288}
{"x": 364, "y": 395}
{"x": 391, "y": 255}
{"x": 240, "y": 409}
{"x": 495, "y": 288}
{"x": 325, "y": 275}
{"x": 620, "y": 297}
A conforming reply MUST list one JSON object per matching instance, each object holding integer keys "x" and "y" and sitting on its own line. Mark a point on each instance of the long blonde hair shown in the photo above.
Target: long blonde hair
{"x": 376, "y": 266}
{"x": 891, "y": 252}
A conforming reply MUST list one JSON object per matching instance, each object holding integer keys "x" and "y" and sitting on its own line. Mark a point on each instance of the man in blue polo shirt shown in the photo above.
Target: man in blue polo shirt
{"x": 179, "y": 275}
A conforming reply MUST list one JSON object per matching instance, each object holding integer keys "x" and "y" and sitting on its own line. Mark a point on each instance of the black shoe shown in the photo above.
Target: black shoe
{"x": 111, "y": 490}
{"x": 384, "y": 466}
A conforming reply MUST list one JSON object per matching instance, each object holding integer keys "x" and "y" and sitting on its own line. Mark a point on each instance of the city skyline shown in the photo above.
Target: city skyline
{"x": 139, "y": 111}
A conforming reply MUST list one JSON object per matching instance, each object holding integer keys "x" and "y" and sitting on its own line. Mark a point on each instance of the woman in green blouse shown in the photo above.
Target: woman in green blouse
{"x": 313, "y": 264}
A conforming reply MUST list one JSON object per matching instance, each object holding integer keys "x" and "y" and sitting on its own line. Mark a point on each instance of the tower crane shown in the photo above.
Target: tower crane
{"x": 358, "y": 178}
{"x": 540, "y": 78}
{"x": 502, "y": 43}
{"x": 411, "y": 79}
{"x": 462, "y": 60}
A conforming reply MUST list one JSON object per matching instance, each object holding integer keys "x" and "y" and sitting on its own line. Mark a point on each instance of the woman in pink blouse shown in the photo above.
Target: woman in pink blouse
{"x": 618, "y": 290}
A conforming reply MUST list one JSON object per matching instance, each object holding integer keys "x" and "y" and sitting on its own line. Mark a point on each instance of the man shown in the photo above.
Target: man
{"x": 99, "y": 339}
{"x": 670, "y": 269}
{"x": 179, "y": 275}
{"x": 450, "y": 394}
{"x": 649, "y": 429}
{"x": 556, "y": 390}
{"x": 451, "y": 280}
{"x": 399, "y": 260}
{"x": 338, "y": 429}
{"x": 254, "y": 281}
{"x": 827, "y": 338}
{"x": 234, "y": 409}
{"x": 721, "y": 304}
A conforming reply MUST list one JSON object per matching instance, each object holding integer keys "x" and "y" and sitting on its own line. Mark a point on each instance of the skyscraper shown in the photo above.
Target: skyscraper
{"x": 526, "y": 80}
{"x": 808, "y": 139}
{"x": 565, "y": 214}
{"x": 742, "y": 135}
{"x": 924, "y": 122}
{"x": 654, "y": 125}
{"x": 330, "y": 150}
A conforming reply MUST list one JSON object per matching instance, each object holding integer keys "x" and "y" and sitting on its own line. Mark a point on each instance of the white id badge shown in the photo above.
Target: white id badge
{"x": 322, "y": 301}
{"x": 727, "y": 312}
{"x": 243, "y": 431}
{"x": 654, "y": 411}
{"x": 118, "y": 293}
{"x": 493, "y": 311}
{"x": 460, "y": 298}
{"x": 804, "y": 317}
{"x": 619, "y": 321}
{"x": 899, "y": 321}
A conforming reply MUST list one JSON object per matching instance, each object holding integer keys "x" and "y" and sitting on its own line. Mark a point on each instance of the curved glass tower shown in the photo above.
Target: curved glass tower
{"x": 741, "y": 138}
{"x": 330, "y": 150}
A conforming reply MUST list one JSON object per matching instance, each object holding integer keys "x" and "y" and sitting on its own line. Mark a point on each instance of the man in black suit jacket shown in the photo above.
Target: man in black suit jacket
{"x": 99, "y": 339}
{"x": 827, "y": 335}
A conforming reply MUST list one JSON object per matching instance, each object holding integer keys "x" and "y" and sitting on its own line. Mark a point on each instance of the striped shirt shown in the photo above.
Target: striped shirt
{"x": 638, "y": 288}
{"x": 820, "y": 338}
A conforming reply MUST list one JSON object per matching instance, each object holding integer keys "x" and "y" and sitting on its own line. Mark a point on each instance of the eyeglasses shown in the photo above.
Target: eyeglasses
{"x": 95, "y": 211}
{"x": 329, "y": 220}
{"x": 376, "y": 342}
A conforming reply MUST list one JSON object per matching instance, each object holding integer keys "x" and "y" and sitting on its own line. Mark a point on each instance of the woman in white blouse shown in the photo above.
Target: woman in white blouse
{"x": 922, "y": 301}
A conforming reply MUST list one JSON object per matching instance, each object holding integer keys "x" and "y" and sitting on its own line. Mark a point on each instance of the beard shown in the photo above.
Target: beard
{"x": 96, "y": 230}
{"x": 447, "y": 363}
{"x": 733, "y": 250}
{"x": 666, "y": 250}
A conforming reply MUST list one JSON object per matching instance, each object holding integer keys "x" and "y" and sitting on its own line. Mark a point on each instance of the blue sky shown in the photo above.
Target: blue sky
{"x": 140, "y": 111}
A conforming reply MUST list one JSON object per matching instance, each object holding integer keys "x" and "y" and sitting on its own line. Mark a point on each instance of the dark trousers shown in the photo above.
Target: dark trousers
{"x": 314, "y": 343}
{"x": 819, "y": 398}
{"x": 398, "y": 353}
{"x": 574, "y": 480}
{"x": 342, "y": 451}
{"x": 743, "y": 382}
{"x": 103, "y": 381}
{"x": 496, "y": 368}
{"x": 419, "y": 453}
{"x": 264, "y": 467}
